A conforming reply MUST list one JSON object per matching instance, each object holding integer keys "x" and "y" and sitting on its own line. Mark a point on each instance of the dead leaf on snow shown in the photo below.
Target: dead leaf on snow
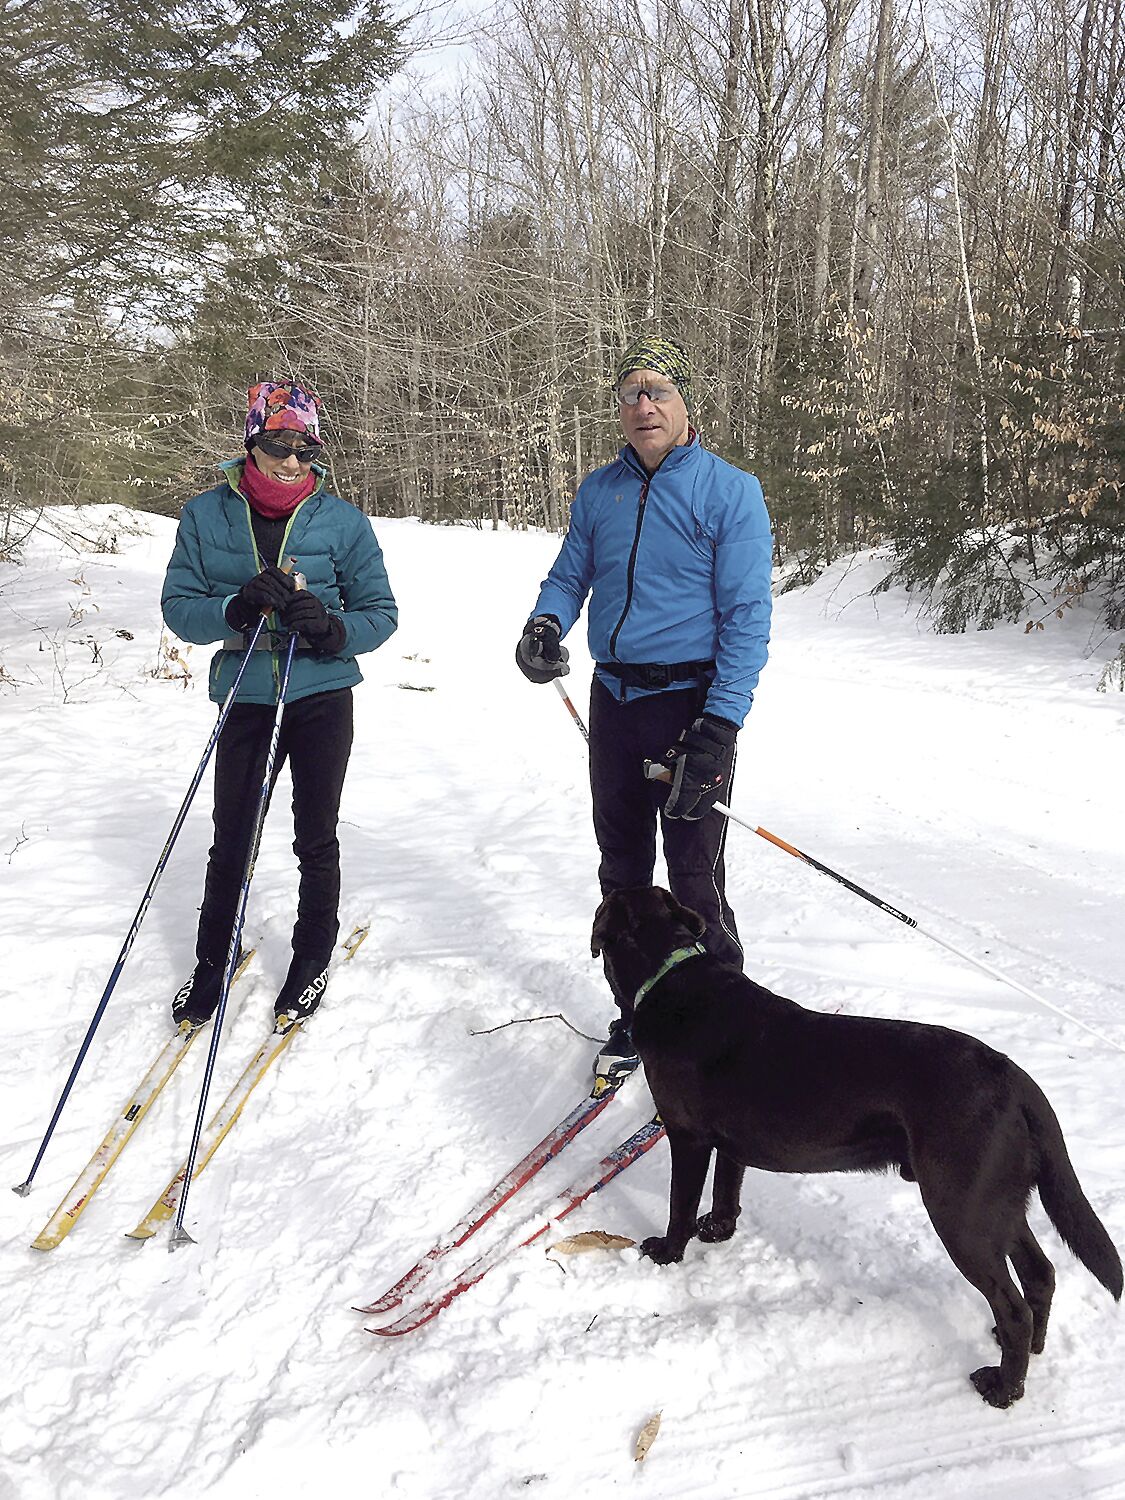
{"x": 591, "y": 1239}
{"x": 646, "y": 1437}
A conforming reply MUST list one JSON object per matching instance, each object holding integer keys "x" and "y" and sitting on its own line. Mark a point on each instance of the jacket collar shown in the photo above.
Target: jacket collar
{"x": 231, "y": 470}
{"x": 683, "y": 455}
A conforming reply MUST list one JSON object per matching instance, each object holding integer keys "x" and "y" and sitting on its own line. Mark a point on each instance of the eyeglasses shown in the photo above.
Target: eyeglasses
{"x": 277, "y": 449}
{"x": 629, "y": 395}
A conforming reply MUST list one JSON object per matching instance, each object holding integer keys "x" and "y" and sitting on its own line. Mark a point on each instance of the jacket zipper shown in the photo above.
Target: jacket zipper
{"x": 275, "y": 656}
{"x": 275, "y": 668}
{"x": 632, "y": 570}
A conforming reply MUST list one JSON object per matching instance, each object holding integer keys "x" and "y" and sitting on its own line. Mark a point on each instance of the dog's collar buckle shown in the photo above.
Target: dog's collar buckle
{"x": 673, "y": 961}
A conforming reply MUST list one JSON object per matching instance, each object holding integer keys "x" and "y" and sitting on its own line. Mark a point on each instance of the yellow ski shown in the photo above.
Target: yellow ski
{"x": 221, "y": 1121}
{"x": 93, "y": 1174}
{"x": 228, "y": 1112}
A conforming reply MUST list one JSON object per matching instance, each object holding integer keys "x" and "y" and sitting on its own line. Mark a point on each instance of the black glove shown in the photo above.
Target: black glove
{"x": 702, "y": 760}
{"x": 269, "y": 590}
{"x": 539, "y": 655}
{"x": 304, "y": 613}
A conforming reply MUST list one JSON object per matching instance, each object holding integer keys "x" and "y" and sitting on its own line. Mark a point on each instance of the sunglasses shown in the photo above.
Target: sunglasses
{"x": 629, "y": 395}
{"x": 277, "y": 449}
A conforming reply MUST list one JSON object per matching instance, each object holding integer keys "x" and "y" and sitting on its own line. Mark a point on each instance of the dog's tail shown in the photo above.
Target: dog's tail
{"x": 1067, "y": 1206}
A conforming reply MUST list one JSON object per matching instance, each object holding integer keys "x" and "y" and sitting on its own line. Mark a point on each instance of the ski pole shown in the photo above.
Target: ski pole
{"x": 657, "y": 772}
{"x": 570, "y": 708}
{"x": 180, "y": 1235}
{"x": 161, "y": 864}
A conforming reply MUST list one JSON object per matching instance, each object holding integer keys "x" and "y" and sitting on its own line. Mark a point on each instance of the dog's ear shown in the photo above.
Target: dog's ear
{"x": 607, "y": 924}
{"x": 684, "y": 914}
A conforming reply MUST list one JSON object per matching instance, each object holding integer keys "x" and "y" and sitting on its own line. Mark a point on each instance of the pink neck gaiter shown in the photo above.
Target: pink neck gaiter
{"x": 269, "y": 497}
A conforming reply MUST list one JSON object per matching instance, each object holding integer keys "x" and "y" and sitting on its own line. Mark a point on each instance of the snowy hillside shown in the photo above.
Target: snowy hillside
{"x": 974, "y": 781}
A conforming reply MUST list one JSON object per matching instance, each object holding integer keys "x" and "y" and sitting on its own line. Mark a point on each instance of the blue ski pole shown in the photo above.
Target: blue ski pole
{"x": 180, "y": 1235}
{"x": 161, "y": 864}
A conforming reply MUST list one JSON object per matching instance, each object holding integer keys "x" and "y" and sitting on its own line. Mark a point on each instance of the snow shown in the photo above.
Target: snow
{"x": 973, "y": 782}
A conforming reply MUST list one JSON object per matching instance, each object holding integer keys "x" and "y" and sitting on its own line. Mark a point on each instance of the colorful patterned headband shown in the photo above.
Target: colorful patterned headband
{"x": 277, "y": 404}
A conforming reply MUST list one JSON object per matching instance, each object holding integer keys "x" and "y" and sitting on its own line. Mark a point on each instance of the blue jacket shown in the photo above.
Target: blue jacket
{"x": 678, "y": 569}
{"x": 336, "y": 550}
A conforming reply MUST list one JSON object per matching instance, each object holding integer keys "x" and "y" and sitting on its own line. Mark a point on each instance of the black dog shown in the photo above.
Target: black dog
{"x": 764, "y": 1083}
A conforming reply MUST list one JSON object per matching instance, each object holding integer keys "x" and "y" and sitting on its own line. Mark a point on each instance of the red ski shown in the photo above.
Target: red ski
{"x": 573, "y": 1197}
{"x": 480, "y": 1213}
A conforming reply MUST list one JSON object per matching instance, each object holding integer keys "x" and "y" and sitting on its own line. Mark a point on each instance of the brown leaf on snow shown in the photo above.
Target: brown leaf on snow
{"x": 591, "y": 1239}
{"x": 646, "y": 1437}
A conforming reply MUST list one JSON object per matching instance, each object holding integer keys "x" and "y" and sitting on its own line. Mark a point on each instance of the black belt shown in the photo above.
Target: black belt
{"x": 655, "y": 675}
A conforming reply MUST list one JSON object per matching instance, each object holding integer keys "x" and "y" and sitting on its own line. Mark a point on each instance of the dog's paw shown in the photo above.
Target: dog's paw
{"x": 994, "y": 1388}
{"x": 711, "y": 1228}
{"x": 661, "y": 1251}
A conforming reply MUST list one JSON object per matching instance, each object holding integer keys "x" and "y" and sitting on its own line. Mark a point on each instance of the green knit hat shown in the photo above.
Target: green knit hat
{"x": 650, "y": 351}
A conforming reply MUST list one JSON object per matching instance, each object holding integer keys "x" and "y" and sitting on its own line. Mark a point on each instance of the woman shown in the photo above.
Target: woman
{"x": 225, "y": 574}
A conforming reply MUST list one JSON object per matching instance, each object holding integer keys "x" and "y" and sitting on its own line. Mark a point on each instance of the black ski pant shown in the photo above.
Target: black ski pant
{"x": 627, "y": 806}
{"x": 316, "y": 739}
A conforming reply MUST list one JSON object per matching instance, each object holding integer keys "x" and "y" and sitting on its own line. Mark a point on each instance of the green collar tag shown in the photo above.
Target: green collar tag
{"x": 674, "y": 959}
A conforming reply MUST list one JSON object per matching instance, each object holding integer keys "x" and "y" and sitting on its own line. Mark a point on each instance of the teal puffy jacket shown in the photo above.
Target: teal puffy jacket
{"x": 334, "y": 547}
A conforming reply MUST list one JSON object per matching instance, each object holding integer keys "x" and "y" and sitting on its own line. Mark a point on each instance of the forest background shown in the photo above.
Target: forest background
{"x": 891, "y": 237}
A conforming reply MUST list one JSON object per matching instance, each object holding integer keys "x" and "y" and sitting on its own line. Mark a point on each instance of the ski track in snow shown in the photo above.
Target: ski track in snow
{"x": 974, "y": 782}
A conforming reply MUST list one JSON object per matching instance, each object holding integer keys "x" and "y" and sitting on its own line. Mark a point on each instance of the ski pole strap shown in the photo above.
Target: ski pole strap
{"x": 654, "y": 676}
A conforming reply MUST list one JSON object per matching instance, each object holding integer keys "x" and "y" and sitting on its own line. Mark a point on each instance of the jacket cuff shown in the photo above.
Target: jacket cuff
{"x": 232, "y": 613}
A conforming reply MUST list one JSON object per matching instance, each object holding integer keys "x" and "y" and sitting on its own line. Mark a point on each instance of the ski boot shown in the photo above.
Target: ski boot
{"x": 618, "y": 1057}
{"x": 303, "y": 989}
{"x": 195, "y": 1001}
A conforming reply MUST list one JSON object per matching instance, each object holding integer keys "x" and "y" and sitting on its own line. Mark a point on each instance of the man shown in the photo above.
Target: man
{"x": 224, "y": 574}
{"x": 673, "y": 546}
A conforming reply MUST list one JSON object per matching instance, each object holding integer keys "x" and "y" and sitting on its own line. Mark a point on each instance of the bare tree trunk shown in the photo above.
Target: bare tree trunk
{"x": 728, "y": 145}
{"x": 1061, "y": 293}
{"x": 837, "y": 15}
{"x": 871, "y": 233}
{"x": 1107, "y": 123}
{"x": 767, "y": 165}
{"x": 966, "y": 284}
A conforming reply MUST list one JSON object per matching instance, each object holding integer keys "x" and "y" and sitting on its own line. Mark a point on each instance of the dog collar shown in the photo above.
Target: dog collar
{"x": 674, "y": 959}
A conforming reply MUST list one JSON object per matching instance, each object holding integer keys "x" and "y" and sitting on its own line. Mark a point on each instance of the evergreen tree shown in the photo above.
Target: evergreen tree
{"x": 148, "y": 147}
{"x": 136, "y": 132}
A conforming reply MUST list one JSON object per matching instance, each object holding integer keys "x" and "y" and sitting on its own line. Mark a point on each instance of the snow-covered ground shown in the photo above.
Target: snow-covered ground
{"x": 974, "y": 781}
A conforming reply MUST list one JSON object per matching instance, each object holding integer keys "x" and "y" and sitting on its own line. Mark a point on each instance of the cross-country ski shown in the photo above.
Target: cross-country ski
{"x": 90, "y": 1179}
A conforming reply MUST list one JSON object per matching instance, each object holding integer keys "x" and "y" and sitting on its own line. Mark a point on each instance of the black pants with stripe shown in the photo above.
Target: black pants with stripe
{"x": 316, "y": 739}
{"x": 627, "y": 808}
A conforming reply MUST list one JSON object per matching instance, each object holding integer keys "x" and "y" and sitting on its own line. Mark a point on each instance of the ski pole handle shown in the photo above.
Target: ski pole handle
{"x": 299, "y": 581}
{"x": 654, "y": 771}
{"x": 289, "y": 566}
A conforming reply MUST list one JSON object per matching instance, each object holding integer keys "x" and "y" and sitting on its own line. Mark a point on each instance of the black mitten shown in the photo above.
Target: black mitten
{"x": 701, "y": 760}
{"x": 266, "y": 591}
{"x": 305, "y": 614}
{"x": 540, "y": 655}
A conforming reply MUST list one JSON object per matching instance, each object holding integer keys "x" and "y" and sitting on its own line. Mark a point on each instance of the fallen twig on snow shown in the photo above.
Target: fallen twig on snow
{"x": 521, "y": 1020}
